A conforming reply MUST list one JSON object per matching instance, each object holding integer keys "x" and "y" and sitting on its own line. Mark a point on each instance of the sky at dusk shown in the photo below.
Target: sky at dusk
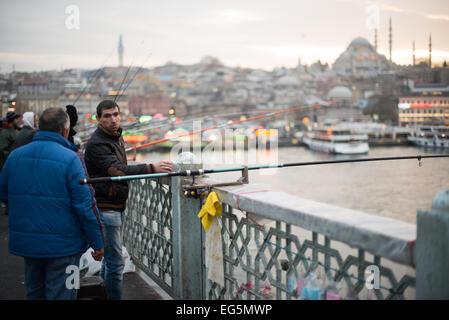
{"x": 55, "y": 34}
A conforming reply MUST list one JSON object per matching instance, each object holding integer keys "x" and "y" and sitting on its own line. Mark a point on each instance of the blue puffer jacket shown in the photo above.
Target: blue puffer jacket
{"x": 50, "y": 214}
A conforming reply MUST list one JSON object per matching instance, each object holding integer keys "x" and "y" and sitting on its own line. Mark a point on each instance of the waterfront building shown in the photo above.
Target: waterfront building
{"x": 36, "y": 93}
{"x": 427, "y": 104}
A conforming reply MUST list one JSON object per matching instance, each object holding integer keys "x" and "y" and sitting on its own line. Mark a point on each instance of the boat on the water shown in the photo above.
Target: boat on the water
{"x": 431, "y": 136}
{"x": 336, "y": 140}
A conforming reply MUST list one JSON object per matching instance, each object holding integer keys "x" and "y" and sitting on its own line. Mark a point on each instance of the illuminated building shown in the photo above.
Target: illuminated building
{"x": 427, "y": 104}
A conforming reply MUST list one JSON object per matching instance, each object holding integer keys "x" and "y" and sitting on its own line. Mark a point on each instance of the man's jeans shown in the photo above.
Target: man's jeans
{"x": 113, "y": 264}
{"x": 45, "y": 278}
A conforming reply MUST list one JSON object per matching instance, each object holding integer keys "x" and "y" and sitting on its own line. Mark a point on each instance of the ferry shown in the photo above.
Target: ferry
{"x": 431, "y": 136}
{"x": 336, "y": 141}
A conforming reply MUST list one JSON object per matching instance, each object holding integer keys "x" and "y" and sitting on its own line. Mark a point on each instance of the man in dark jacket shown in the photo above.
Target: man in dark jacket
{"x": 52, "y": 218}
{"x": 105, "y": 156}
{"x": 8, "y": 136}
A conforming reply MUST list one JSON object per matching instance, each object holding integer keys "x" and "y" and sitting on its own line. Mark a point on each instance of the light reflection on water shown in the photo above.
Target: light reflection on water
{"x": 395, "y": 189}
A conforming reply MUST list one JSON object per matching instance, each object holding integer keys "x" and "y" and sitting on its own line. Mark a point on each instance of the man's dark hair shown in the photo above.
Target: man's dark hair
{"x": 105, "y": 105}
{"x": 54, "y": 119}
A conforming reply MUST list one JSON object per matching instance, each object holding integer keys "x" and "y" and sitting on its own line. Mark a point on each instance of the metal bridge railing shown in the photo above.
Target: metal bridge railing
{"x": 268, "y": 239}
{"x": 299, "y": 235}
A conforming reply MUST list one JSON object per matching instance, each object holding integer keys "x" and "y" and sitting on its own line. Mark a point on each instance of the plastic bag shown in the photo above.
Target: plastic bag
{"x": 93, "y": 267}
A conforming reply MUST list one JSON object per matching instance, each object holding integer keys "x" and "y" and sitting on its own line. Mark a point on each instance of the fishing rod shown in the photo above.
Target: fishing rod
{"x": 199, "y": 172}
{"x": 138, "y": 128}
{"x": 87, "y": 85}
{"x": 123, "y": 80}
{"x": 143, "y": 127}
{"x": 132, "y": 79}
{"x": 119, "y": 94}
{"x": 94, "y": 77}
{"x": 212, "y": 128}
{"x": 221, "y": 125}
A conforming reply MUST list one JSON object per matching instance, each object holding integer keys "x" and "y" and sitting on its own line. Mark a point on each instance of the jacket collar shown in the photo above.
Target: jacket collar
{"x": 56, "y": 137}
{"x": 113, "y": 134}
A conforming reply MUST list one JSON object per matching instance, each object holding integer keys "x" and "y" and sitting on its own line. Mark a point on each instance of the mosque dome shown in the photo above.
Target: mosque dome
{"x": 340, "y": 92}
{"x": 361, "y": 58}
{"x": 360, "y": 42}
{"x": 209, "y": 60}
{"x": 288, "y": 80}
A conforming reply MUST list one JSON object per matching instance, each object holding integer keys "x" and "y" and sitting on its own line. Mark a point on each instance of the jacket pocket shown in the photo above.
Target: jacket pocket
{"x": 112, "y": 192}
{"x": 102, "y": 190}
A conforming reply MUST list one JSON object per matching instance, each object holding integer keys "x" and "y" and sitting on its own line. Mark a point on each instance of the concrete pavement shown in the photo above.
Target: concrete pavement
{"x": 12, "y": 279}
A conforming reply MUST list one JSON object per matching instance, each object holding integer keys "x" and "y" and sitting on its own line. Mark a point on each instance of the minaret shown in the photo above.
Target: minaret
{"x": 414, "y": 60}
{"x": 430, "y": 51}
{"x": 120, "y": 52}
{"x": 375, "y": 40}
{"x": 391, "y": 42}
{"x": 378, "y": 65}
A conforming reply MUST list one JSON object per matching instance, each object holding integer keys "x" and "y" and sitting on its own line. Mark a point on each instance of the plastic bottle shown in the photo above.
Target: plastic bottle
{"x": 312, "y": 289}
{"x": 291, "y": 283}
{"x": 322, "y": 282}
{"x": 332, "y": 291}
{"x": 301, "y": 278}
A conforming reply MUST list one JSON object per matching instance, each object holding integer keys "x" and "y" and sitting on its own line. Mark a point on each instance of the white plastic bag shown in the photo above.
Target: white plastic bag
{"x": 93, "y": 267}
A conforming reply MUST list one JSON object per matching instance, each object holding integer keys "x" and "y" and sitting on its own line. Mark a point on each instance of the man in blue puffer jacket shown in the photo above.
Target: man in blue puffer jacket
{"x": 52, "y": 218}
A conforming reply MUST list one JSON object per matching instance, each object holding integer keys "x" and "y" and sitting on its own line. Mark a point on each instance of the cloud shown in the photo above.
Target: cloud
{"x": 50, "y": 61}
{"x": 308, "y": 54}
{"x": 443, "y": 17}
{"x": 233, "y": 17}
{"x": 438, "y": 55}
{"x": 386, "y": 7}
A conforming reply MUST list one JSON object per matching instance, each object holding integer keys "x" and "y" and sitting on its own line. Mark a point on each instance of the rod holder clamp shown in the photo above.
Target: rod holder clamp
{"x": 194, "y": 190}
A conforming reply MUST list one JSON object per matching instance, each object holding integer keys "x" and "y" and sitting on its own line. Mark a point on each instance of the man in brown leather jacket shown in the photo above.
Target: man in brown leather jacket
{"x": 105, "y": 156}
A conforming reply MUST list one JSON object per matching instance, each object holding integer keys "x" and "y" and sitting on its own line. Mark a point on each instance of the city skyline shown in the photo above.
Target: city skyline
{"x": 253, "y": 34}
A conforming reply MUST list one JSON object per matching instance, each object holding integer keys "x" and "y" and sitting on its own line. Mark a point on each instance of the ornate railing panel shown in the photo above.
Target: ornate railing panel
{"x": 148, "y": 230}
{"x": 261, "y": 259}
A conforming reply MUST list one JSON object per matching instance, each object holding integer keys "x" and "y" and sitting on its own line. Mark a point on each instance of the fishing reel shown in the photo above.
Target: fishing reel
{"x": 197, "y": 191}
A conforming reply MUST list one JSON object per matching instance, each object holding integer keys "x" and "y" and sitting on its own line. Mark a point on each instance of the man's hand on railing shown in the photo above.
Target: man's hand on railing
{"x": 162, "y": 167}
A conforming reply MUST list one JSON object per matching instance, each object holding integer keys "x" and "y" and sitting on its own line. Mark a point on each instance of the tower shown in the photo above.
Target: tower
{"x": 390, "y": 37}
{"x": 430, "y": 51}
{"x": 375, "y": 40}
{"x": 120, "y": 52}
{"x": 414, "y": 60}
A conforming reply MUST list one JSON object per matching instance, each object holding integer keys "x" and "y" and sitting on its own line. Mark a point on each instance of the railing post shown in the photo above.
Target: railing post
{"x": 432, "y": 250}
{"x": 188, "y": 236}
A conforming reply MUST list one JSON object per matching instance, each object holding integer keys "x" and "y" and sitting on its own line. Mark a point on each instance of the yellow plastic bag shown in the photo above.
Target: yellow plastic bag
{"x": 211, "y": 209}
